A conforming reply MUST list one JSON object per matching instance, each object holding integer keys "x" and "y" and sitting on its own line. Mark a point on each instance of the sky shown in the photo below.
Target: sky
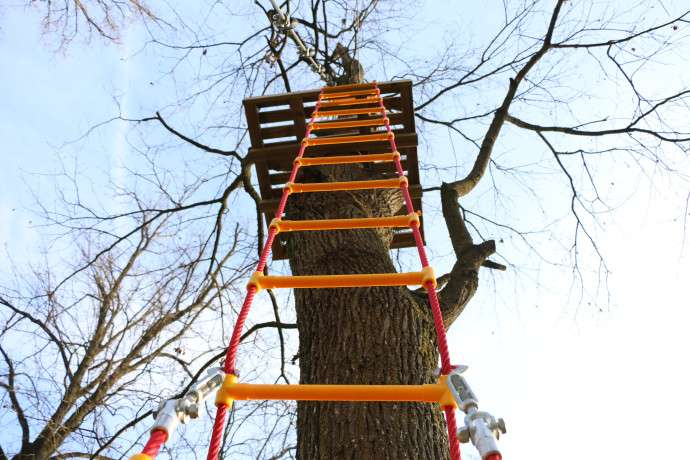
{"x": 570, "y": 382}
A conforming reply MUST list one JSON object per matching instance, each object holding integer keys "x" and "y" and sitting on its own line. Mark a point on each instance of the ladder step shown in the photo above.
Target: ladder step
{"x": 261, "y": 281}
{"x": 353, "y": 87}
{"x": 349, "y": 101}
{"x": 340, "y": 224}
{"x": 347, "y": 139}
{"x": 347, "y": 159}
{"x": 366, "y": 92}
{"x": 351, "y": 185}
{"x": 337, "y": 113}
{"x": 431, "y": 392}
{"x": 348, "y": 124}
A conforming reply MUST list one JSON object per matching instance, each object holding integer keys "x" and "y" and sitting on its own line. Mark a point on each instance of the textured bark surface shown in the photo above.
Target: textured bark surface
{"x": 382, "y": 335}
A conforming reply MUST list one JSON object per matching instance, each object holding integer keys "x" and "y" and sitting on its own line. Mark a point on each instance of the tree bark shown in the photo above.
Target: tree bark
{"x": 378, "y": 335}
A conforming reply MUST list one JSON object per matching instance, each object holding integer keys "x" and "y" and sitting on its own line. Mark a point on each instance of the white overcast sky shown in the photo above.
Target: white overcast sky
{"x": 570, "y": 383}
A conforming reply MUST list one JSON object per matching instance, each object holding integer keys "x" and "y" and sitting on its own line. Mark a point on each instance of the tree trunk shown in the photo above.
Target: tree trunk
{"x": 377, "y": 335}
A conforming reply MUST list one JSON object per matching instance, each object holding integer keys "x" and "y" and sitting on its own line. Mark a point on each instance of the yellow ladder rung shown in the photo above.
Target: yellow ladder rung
{"x": 339, "y": 186}
{"x": 349, "y": 101}
{"x": 340, "y": 224}
{"x": 349, "y": 124}
{"x": 353, "y": 87}
{"x": 347, "y": 159}
{"x": 347, "y": 139}
{"x": 366, "y": 92}
{"x": 261, "y": 281}
{"x": 432, "y": 392}
{"x": 337, "y": 113}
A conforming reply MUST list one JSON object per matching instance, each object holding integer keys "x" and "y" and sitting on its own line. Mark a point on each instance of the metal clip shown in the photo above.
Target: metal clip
{"x": 286, "y": 24}
{"x": 306, "y": 52}
{"x": 173, "y": 411}
{"x": 480, "y": 427}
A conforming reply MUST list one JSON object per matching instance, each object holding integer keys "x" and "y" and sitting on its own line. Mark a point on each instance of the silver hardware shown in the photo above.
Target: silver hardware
{"x": 480, "y": 427}
{"x": 173, "y": 411}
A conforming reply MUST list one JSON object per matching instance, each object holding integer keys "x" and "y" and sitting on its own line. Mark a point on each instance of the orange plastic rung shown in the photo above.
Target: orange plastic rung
{"x": 432, "y": 393}
{"x": 353, "y": 87}
{"x": 340, "y": 224}
{"x": 261, "y": 281}
{"x": 347, "y": 139}
{"x": 349, "y": 124}
{"x": 347, "y": 159}
{"x": 337, "y": 113}
{"x": 348, "y": 101}
{"x": 351, "y": 185}
{"x": 366, "y": 92}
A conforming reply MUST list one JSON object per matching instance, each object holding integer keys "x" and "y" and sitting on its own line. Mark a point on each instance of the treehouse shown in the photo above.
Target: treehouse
{"x": 278, "y": 124}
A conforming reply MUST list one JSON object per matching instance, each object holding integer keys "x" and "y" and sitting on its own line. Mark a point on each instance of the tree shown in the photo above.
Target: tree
{"x": 528, "y": 65}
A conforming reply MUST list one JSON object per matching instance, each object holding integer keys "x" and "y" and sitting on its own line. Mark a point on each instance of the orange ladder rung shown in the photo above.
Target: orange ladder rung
{"x": 347, "y": 159}
{"x": 341, "y": 224}
{"x": 339, "y": 186}
{"x": 348, "y": 101}
{"x": 261, "y": 281}
{"x": 353, "y": 87}
{"x": 349, "y": 124}
{"x": 432, "y": 392}
{"x": 334, "y": 113}
{"x": 366, "y": 92}
{"x": 347, "y": 139}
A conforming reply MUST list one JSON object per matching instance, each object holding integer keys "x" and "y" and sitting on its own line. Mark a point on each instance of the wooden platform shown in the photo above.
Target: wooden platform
{"x": 277, "y": 124}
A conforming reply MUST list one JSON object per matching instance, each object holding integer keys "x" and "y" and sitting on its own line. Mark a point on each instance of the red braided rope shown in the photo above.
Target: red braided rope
{"x": 231, "y": 355}
{"x": 433, "y": 299}
{"x": 216, "y": 434}
{"x": 156, "y": 440}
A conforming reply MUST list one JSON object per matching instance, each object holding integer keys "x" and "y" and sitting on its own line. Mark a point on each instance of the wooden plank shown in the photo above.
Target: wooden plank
{"x": 408, "y": 115}
{"x": 252, "y": 114}
{"x": 410, "y": 154}
{"x": 299, "y": 118}
{"x": 290, "y": 149}
{"x": 285, "y": 115}
{"x": 264, "y": 179}
{"x": 313, "y": 95}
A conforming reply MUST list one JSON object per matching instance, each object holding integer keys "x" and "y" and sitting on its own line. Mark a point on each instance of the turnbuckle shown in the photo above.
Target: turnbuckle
{"x": 173, "y": 411}
{"x": 480, "y": 427}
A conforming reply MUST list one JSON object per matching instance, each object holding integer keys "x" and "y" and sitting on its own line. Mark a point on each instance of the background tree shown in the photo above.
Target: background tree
{"x": 535, "y": 72}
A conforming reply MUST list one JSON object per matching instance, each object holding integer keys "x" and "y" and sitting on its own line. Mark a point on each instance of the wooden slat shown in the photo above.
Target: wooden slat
{"x": 366, "y": 92}
{"x": 290, "y": 149}
{"x": 299, "y": 118}
{"x": 353, "y": 87}
{"x": 408, "y": 115}
{"x": 251, "y": 111}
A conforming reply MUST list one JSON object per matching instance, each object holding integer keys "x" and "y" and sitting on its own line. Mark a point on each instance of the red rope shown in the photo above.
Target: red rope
{"x": 156, "y": 440}
{"x": 433, "y": 299}
{"x": 229, "y": 368}
{"x": 216, "y": 434}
